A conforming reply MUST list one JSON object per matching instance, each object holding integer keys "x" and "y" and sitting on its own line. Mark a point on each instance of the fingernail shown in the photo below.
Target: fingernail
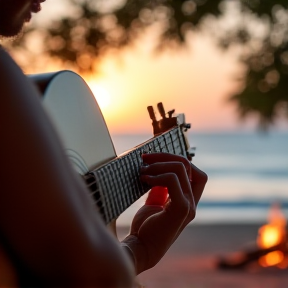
{"x": 144, "y": 167}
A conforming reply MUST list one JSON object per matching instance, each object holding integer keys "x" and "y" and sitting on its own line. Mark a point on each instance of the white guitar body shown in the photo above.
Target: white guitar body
{"x": 113, "y": 181}
{"x": 78, "y": 119}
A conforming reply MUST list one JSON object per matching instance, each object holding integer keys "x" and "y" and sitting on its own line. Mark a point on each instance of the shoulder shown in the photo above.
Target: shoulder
{"x": 13, "y": 83}
{"x": 8, "y": 66}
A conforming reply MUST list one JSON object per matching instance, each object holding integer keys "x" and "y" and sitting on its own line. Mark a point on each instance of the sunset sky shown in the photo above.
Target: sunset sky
{"x": 196, "y": 81}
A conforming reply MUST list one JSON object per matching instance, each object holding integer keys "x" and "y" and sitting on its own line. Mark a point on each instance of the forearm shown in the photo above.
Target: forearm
{"x": 58, "y": 236}
{"x": 137, "y": 253}
{"x": 108, "y": 268}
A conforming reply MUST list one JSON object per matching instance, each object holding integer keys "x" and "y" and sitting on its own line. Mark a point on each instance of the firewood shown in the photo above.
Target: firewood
{"x": 243, "y": 258}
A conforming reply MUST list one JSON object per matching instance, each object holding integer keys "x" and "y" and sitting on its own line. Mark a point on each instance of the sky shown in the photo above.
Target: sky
{"x": 196, "y": 81}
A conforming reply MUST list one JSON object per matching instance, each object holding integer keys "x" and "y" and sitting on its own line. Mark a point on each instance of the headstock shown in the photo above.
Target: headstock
{"x": 167, "y": 123}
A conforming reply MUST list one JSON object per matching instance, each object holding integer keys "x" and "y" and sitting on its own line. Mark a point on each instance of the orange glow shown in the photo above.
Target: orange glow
{"x": 196, "y": 81}
{"x": 269, "y": 235}
{"x": 101, "y": 94}
{"x": 271, "y": 259}
{"x": 136, "y": 78}
{"x": 283, "y": 264}
{"x": 273, "y": 234}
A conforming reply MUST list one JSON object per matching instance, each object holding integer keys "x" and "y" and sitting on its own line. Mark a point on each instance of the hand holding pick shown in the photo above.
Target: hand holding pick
{"x": 177, "y": 186}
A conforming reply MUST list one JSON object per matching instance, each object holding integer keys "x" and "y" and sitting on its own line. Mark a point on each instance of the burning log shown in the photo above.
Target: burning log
{"x": 241, "y": 259}
{"x": 272, "y": 245}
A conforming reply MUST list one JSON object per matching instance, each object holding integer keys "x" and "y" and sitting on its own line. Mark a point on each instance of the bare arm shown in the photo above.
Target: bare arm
{"x": 45, "y": 211}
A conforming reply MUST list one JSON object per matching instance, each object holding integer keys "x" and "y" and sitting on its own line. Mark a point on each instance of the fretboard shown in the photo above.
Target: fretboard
{"x": 116, "y": 185}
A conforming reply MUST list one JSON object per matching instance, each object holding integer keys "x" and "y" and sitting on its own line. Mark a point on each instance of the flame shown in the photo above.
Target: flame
{"x": 273, "y": 234}
{"x": 271, "y": 259}
{"x": 270, "y": 235}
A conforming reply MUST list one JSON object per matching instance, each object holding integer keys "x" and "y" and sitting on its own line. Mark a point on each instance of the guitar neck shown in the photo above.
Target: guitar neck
{"x": 116, "y": 185}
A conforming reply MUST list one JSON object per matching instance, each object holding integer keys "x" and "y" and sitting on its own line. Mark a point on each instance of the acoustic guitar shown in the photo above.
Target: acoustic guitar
{"x": 113, "y": 180}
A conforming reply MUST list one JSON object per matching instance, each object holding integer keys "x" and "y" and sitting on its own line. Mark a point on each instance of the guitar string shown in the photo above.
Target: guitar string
{"x": 163, "y": 148}
{"x": 172, "y": 145}
{"x": 132, "y": 162}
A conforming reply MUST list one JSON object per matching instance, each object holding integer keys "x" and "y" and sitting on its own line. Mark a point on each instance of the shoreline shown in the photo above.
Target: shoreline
{"x": 191, "y": 261}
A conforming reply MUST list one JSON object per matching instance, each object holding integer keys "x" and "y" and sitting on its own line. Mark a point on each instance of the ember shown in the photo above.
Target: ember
{"x": 272, "y": 234}
{"x": 272, "y": 242}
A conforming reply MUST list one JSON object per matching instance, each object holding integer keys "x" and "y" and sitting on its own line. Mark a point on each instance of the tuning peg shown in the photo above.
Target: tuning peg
{"x": 155, "y": 123}
{"x": 161, "y": 109}
{"x": 170, "y": 113}
{"x": 151, "y": 113}
{"x": 163, "y": 124}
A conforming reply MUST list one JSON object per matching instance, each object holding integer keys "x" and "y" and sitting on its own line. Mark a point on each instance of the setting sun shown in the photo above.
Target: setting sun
{"x": 101, "y": 94}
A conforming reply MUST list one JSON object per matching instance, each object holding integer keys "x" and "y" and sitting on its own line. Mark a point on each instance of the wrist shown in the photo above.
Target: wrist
{"x": 137, "y": 253}
{"x": 129, "y": 252}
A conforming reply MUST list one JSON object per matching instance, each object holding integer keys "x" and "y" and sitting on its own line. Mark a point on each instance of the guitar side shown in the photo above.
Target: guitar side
{"x": 76, "y": 115}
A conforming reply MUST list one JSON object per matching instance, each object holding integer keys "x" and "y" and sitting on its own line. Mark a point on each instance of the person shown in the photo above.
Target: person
{"x": 50, "y": 232}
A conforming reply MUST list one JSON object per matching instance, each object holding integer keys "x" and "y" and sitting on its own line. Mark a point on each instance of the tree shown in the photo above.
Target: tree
{"x": 77, "y": 39}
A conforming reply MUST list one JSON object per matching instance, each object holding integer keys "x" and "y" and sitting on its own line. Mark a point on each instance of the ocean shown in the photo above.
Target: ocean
{"x": 248, "y": 172}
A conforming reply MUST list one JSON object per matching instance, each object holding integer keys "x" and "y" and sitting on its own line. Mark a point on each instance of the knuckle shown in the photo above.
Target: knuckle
{"x": 186, "y": 161}
{"x": 168, "y": 179}
{"x": 180, "y": 166}
{"x": 202, "y": 177}
{"x": 192, "y": 213}
{"x": 186, "y": 207}
{"x": 172, "y": 177}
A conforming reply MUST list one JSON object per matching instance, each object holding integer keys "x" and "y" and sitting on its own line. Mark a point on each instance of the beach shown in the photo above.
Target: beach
{"x": 247, "y": 173}
{"x": 192, "y": 260}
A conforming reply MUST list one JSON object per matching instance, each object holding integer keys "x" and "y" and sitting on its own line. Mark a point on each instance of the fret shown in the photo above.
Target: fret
{"x": 116, "y": 185}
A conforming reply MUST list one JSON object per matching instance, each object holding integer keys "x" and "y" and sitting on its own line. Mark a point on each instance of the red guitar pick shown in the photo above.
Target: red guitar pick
{"x": 157, "y": 196}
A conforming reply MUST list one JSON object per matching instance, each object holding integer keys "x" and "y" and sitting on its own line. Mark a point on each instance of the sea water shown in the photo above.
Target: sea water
{"x": 248, "y": 172}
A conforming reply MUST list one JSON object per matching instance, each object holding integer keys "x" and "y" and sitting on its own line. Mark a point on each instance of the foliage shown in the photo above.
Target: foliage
{"x": 266, "y": 90}
{"x": 85, "y": 35}
{"x": 81, "y": 37}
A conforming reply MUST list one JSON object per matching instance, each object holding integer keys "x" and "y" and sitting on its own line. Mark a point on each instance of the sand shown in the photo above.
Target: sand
{"x": 192, "y": 260}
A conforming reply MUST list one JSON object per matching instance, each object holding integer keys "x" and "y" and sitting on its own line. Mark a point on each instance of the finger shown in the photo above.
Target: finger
{"x": 171, "y": 181}
{"x": 142, "y": 214}
{"x": 171, "y": 167}
{"x": 199, "y": 181}
{"x": 166, "y": 157}
{"x": 199, "y": 177}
